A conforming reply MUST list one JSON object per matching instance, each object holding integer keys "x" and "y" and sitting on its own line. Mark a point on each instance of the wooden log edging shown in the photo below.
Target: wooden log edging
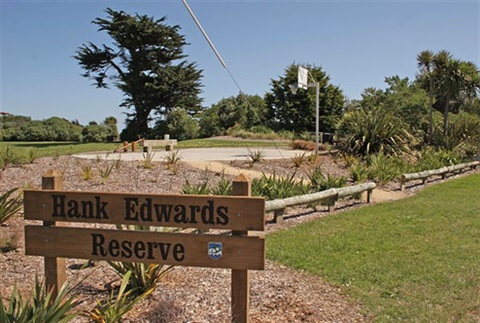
{"x": 278, "y": 206}
{"x": 444, "y": 172}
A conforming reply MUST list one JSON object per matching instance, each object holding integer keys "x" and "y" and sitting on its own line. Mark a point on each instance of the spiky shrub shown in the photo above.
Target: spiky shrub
{"x": 86, "y": 172}
{"x": 148, "y": 160}
{"x": 142, "y": 277}
{"x": 8, "y": 157}
{"x": 31, "y": 155}
{"x": 196, "y": 189}
{"x": 299, "y": 159}
{"x": 10, "y": 204}
{"x": 224, "y": 187}
{"x": 369, "y": 131}
{"x": 40, "y": 307}
{"x": 275, "y": 187}
{"x": 117, "y": 305}
{"x": 320, "y": 182}
{"x": 359, "y": 173}
{"x": 255, "y": 156}
{"x": 383, "y": 168}
{"x": 173, "y": 158}
{"x": 105, "y": 172}
{"x": 463, "y": 135}
{"x": 431, "y": 158}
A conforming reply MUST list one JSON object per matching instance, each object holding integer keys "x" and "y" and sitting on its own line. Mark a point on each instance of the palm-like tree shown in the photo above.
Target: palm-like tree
{"x": 449, "y": 80}
{"x": 424, "y": 63}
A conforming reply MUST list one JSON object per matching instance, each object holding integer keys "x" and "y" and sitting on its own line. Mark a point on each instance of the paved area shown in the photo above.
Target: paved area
{"x": 199, "y": 154}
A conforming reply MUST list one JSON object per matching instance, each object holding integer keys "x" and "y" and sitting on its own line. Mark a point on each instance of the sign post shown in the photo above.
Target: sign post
{"x": 238, "y": 251}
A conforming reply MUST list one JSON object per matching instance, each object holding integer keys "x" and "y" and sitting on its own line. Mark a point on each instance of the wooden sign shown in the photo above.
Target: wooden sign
{"x": 238, "y": 251}
{"x": 192, "y": 211}
{"x": 179, "y": 249}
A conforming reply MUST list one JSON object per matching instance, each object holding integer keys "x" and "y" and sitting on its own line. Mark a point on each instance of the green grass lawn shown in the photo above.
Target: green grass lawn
{"x": 412, "y": 260}
{"x": 57, "y": 148}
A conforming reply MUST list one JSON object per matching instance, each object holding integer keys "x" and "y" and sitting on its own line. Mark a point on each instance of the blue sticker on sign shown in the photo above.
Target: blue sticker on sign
{"x": 215, "y": 250}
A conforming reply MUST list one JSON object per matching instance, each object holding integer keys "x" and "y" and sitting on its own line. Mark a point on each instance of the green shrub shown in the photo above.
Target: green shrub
{"x": 9, "y": 205}
{"x": 141, "y": 277}
{"x": 224, "y": 187}
{"x": 198, "y": 189}
{"x": 117, "y": 304}
{"x": 299, "y": 159}
{"x": 369, "y": 131}
{"x": 9, "y": 157}
{"x": 359, "y": 173}
{"x": 41, "y": 307}
{"x": 383, "y": 168}
{"x": 273, "y": 187}
{"x": 320, "y": 182}
{"x": 255, "y": 156}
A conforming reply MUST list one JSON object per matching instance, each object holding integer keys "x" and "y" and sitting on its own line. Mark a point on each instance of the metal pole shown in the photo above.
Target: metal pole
{"x": 317, "y": 115}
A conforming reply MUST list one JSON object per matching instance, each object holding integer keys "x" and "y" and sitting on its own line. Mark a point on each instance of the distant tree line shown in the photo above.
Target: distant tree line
{"x": 23, "y": 128}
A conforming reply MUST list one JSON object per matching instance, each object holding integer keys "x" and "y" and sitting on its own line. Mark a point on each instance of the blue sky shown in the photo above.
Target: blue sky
{"x": 358, "y": 44}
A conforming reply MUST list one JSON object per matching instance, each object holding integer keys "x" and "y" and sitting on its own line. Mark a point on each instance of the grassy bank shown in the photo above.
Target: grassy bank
{"x": 415, "y": 260}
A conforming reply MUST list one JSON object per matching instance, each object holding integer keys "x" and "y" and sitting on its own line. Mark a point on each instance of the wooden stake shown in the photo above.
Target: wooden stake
{"x": 55, "y": 275}
{"x": 240, "y": 278}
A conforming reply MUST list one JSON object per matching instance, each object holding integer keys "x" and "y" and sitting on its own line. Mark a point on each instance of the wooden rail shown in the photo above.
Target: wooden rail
{"x": 331, "y": 195}
{"x": 444, "y": 172}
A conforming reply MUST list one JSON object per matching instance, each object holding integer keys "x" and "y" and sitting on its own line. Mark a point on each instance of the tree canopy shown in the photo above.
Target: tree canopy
{"x": 451, "y": 83}
{"x": 146, "y": 62}
{"x": 296, "y": 112}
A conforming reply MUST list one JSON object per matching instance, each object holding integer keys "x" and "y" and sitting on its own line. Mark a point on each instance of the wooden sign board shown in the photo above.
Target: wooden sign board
{"x": 186, "y": 211}
{"x": 179, "y": 249}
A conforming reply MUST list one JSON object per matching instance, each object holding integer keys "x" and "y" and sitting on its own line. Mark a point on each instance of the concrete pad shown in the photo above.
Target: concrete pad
{"x": 199, "y": 154}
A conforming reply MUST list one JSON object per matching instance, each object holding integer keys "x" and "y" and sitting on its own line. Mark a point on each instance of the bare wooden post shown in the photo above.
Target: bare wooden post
{"x": 240, "y": 278}
{"x": 134, "y": 144}
{"x": 402, "y": 183}
{"x": 278, "y": 216}
{"x": 55, "y": 275}
{"x": 125, "y": 146}
{"x": 331, "y": 204}
{"x": 369, "y": 195}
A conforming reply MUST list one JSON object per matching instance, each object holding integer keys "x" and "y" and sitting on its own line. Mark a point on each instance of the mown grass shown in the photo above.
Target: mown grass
{"x": 412, "y": 260}
{"x": 53, "y": 149}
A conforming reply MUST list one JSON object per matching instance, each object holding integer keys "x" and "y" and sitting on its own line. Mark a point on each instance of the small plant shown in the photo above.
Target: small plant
{"x": 10, "y": 242}
{"x": 320, "y": 182}
{"x": 9, "y": 205}
{"x": 199, "y": 189}
{"x": 105, "y": 172}
{"x": 87, "y": 172}
{"x": 98, "y": 158}
{"x": 143, "y": 277}
{"x": 40, "y": 308}
{"x": 383, "y": 168}
{"x": 117, "y": 305}
{"x": 8, "y": 157}
{"x": 359, "y": 173}
{"x": 255, "y": 156}
{"x": 148, "y": 160}
{"x": 31, "y": 155}
{"x": 299, "y": 160}
{"x": 275, "y": 187}
{"x": 172, "y": 159}
{"x": 118, "y": 163}
{"x": 302, "y": 145}
{"x": 224, "y": 187}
